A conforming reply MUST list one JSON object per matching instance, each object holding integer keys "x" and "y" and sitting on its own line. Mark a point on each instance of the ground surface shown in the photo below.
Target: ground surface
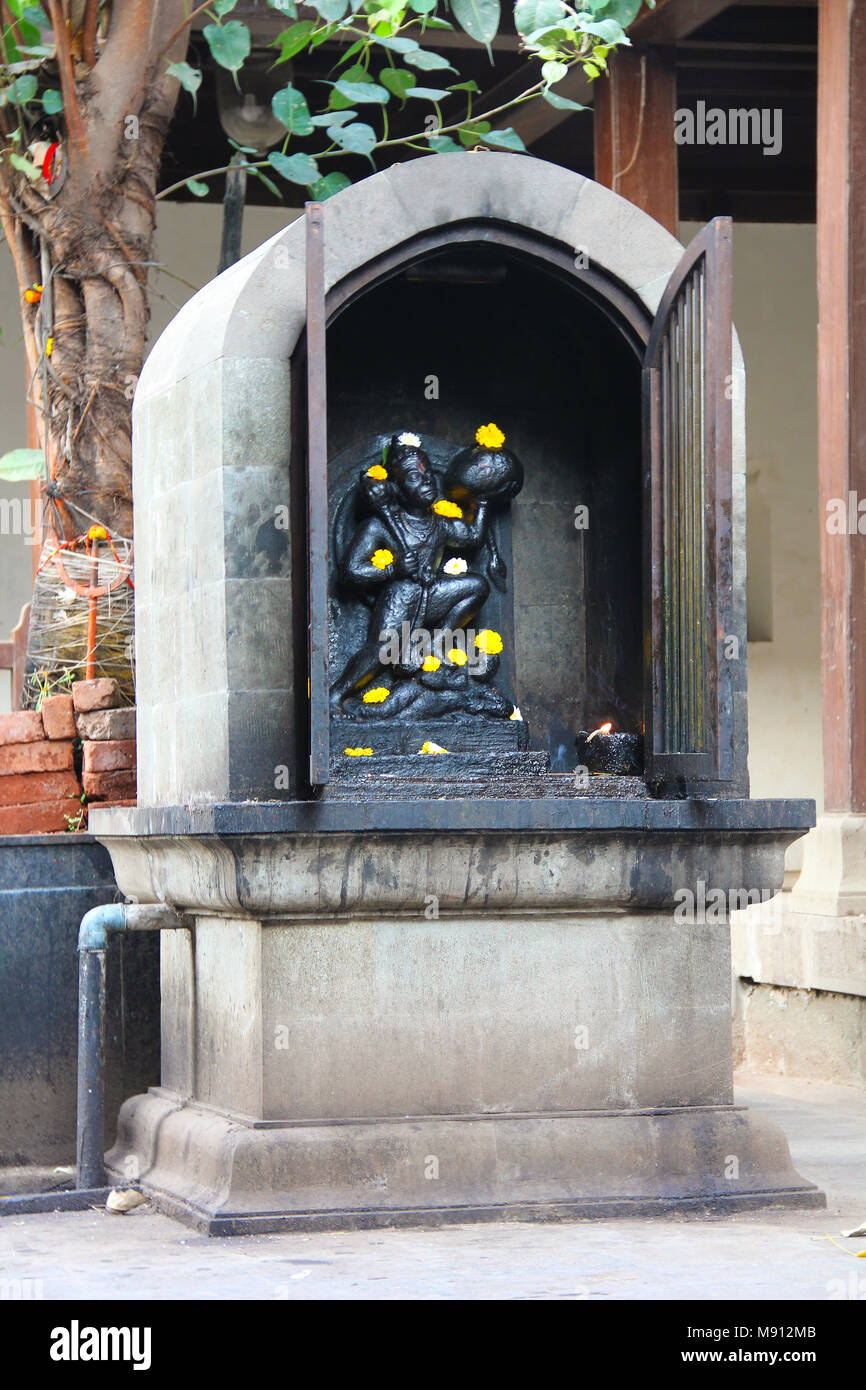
{"x": 767, "y": 1255}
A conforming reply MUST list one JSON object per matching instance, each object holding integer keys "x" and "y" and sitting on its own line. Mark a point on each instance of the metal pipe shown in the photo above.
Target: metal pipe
{"x": 97, "y": 926}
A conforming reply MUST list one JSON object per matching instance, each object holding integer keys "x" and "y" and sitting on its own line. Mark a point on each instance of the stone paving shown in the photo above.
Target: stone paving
{"x": 772, "y": 1255}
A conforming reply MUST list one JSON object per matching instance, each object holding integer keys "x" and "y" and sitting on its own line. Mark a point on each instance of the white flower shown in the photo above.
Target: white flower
{"x": 411, "y": 439}
{"x": 456, "y": 566}
{"x": 515, "y": 714}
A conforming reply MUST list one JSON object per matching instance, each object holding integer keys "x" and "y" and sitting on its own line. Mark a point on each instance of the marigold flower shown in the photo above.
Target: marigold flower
{"x": 431, "y": 747}
{"x": 358, "y": 752}
{"x": 97, "y": 533}
{"x": 381, "y": 559}
{"x": 431, "y": 663}
{"x": 489, "y": 642}
{"x": 457, "y": 657}
{"x": 457, "y": 565}
{"x": 376, "y": 695}
{"x": 489, "y": 436}
{"x": 377, "y": 472}
{"x": 444, "y": 508}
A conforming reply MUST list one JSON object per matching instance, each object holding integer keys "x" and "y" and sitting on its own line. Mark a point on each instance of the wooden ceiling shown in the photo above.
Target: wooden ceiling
{"x": 748, "y": 55}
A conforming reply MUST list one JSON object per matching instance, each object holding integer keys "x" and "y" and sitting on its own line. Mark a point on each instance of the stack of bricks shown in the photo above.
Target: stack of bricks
{"x": 40, "y": 790}
{"x": 107, "y": 733}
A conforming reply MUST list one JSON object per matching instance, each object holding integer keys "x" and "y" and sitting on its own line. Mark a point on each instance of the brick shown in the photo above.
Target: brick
{"x": 58, "y": 717}
{"x": 26, "y": 788}
{"x": 108, "y": 786}
{"x": 22, "y": 726}
{"x": 98, "y": 694}
{"x": 39, "y": 820}
{"x": 36, "y": 757}
{"x": 106, "y": 723}
{"x": 109, "y": 755}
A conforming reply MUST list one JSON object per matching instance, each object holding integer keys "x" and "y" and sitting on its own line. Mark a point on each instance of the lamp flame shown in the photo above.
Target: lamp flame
{"x": 603, "y": 729}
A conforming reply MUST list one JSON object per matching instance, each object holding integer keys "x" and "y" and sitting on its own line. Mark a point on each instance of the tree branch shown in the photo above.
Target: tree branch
{"x": 71, "y": 107}
{"x": 91, "y": 15}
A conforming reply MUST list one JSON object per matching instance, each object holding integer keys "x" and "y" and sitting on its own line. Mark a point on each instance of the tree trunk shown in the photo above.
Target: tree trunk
{"x": 89, "y": 243}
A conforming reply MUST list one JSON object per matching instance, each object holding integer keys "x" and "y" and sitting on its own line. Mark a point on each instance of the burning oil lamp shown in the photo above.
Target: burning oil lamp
{"x": 616, "y": 754}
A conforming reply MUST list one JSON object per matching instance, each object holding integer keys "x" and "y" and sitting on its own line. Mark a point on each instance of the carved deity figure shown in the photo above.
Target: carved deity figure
{"x": 407, "y": 559}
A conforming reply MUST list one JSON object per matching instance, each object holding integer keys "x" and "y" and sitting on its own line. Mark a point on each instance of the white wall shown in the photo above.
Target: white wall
{"x": 776, "y": 316}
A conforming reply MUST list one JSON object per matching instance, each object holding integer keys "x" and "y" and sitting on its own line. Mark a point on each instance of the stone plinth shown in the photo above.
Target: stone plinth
{"x": 368, "y": 1027}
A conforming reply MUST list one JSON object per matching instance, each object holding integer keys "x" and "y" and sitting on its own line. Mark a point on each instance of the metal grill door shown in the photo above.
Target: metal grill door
{"x": 687, "y": 418}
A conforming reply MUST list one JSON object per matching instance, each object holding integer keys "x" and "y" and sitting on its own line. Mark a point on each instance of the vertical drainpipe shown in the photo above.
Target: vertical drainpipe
{"x": 97, "y": 926}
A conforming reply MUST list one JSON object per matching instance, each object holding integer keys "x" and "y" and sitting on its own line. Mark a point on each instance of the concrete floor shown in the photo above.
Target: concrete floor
{"x": 770, "y": 1255}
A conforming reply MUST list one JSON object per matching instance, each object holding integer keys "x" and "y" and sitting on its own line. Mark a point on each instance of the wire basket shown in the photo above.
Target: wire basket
{"x": 60, "y": 618}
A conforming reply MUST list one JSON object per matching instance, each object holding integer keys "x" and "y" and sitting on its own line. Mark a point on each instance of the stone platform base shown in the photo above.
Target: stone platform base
{"x": 226, "y": 1177}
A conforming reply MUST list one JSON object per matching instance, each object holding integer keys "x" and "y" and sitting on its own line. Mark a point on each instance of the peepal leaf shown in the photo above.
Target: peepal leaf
{"x": 354, "y": 139}
{"x": 195, "y": 186}
{"x": 328, "y": 186}
{"x": 563, "y": 103}
{"x": 22, "y": 465}
{"x": 297, "y": 168}
{"x": 478, "y": 18}
{"x": 428, "y": 93}
{"x": 427, "y": 61}
{"x": 291, "y": 110}
{"x": 508, "y": 139}
{"x": 362, "y": 91}
{"x": 292, "y": 40}
{"x": 331, "y": 10}
{"x": 228, "y": 43}
{"x": 530, "y": 15}
{"x": 189, "y": 78}
{"x": 52, "y": 102}
{"x": 398, "y": 81}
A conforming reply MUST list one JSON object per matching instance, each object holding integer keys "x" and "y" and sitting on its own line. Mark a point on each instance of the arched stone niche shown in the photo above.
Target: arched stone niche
{"x": 218, "y": 677}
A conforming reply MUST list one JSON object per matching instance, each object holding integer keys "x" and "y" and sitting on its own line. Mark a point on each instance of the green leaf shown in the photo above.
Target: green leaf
{"x": 443, "y": 144}
{"x": 332, "y": 10}
{"x": 269, "y": 183}
{"x": 470, "y": 86}
{"x": 471, "y": 133}
{"x": 292, "y": 40}
{"x": 608, "y": 30}
{"x": 24, "y": 166}
{"x": 328, "y": 186}
{"x": 398, "y": 81}
{"x": 508, "y": 139}
{"x": 189, "y": 78}
{"x": 221, "y": 7}
{"x": 625, "y": 12}
{"x": 422, "y": 6}
{"x": 23, "y": 89}
{"x": 362, "y": 91}
{"x": 286, "y": 7}
{"x": 354, "y": 139}
{"x": 478, "y": 18}
{"x": 530, "y": 15}
{"x": 22, "y": 465}
{"x": 330, "y": 118}
{"x": 228, "y": 43}
{"x": 195, "y": 186}
{"x": 297, "y": 168}
{"x": 427, "y": 61}
{"x": 291, "y": 110}
{"x": 563, "y": 103}
{"x": 553, "y": 72}
{"x": 52, "y": 102}
{"x": 428, "y": 93}
{"x": 398, "y": 45}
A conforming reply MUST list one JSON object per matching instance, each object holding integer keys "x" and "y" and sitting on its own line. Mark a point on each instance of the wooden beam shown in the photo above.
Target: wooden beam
{"x": 635, "y": 150}
{"x": 842, "y": 394}
{"x": 672, "y": 20}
